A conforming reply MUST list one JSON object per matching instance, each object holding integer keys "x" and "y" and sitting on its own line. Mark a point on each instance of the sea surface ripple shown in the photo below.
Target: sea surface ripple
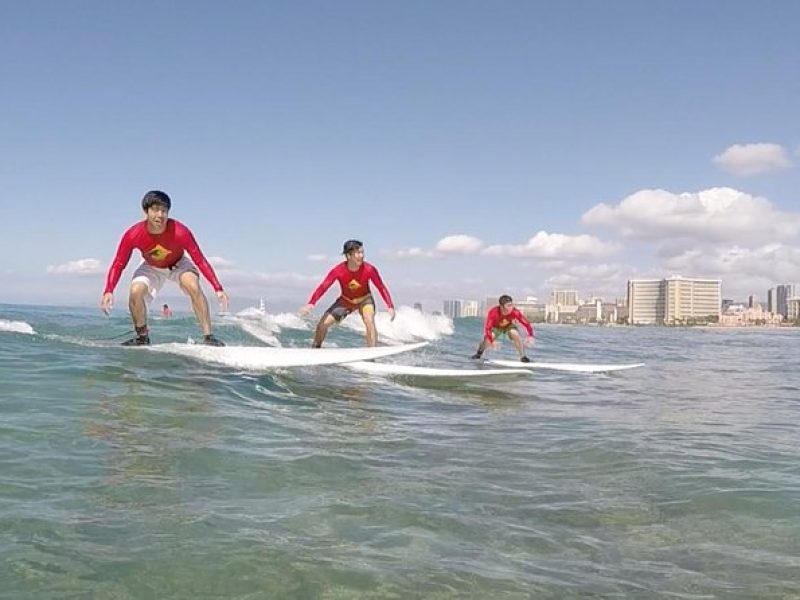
{"x": 126, "y": 473}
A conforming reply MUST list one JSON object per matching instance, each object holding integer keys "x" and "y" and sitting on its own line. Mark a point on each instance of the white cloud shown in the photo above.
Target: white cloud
{"x": 606, "y": 280}
{"x": 317, "y": 257}
{"x": 777, "y": 262}
{"x": 550, "y": 246}
{"x": 414, "y": 252}
{"x": 282, "y": 279}
{"x": 280, "y": 286}
{"x": 743, "y": 270}
{"x": 221, "y": 263}
{"x": 554, "y": 246}
{"x": 717, "y": 214}
{"x": 83, "y": 266}
{"x": 752, "y": 159}
{"x": 458, "y": 244}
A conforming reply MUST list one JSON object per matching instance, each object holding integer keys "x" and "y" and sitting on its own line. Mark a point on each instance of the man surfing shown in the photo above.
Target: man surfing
{"x": 353, "y": 275}
{"x": 500, "y": 321}
{"x": 162, "y": 242}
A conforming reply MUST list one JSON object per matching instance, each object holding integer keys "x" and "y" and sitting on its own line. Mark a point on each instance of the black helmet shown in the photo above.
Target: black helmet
{"x": 155, "y": 197}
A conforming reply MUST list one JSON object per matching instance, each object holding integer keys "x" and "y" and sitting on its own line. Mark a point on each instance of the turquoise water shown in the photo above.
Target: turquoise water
{"x": 130, "y": 474}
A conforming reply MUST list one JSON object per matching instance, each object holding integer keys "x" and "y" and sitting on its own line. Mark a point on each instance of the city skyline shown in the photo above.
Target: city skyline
{"x": 650, "y": 301}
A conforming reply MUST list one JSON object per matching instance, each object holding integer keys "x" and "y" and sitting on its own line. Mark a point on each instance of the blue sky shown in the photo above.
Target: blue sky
{"x": 476, "y": 148}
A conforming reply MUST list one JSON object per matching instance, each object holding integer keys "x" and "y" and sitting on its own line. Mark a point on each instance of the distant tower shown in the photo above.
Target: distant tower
{"x": 783, "y": 293}
{"x": 470, "y": 308}
{"x": 452, "y": 308}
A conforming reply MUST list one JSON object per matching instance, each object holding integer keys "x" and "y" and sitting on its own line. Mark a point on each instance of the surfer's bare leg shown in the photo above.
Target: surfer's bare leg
{"x": 190, "y": 284}
{"x": 481, "y": 349}
{"x": 138, "y": 305}
{"x": 517, "y": 341}
{"x": 368, "y": 315}
{"x": 513, "y": 335}
{"x": 322, "y": 329}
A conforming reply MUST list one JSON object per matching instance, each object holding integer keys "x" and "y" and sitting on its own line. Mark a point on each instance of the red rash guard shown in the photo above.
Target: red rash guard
{"x": 496, "y": 319}
{"x": 159, "y": 250}
{"x": 355, "y": 284}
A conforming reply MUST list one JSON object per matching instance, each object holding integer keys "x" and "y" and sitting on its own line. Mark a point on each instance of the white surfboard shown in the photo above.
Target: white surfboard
{"x": 261, "y": 358}
{"x": 375, "y": 368}
{"x": 570, "y": 367}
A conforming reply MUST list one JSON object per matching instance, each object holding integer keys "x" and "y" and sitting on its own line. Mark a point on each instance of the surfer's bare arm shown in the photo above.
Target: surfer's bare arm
{"x": 107, "y": 302}
{"x": 223, "y": 300}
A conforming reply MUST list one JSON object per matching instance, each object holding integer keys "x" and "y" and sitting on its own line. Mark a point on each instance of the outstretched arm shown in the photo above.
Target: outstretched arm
{"x": 525, "y": 323}
{"x": 199, "y": 259}
{"x": 375, "y": 277}
{"x": 488, "y": 325}
{"x": 323, "y": 287}
{"x": 115, "y": 270}
{"x": 520, "y": 318}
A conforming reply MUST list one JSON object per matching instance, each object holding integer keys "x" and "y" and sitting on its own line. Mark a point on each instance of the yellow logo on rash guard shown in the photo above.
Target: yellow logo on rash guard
{"x": 505, "y": 323}
{"x": 158, "y": 253}
{"x": 353, "y": 285}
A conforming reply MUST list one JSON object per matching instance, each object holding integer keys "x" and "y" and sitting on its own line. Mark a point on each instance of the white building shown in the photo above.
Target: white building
{"x": 793, "y": 309}
{"x": 533, "y": 310}
{"x": 471, "y": 308}
{"x": 673, "y": 301}
{"x": 563, "y": 306}
{"x": 564, "y": 298}
{"x": 783, "y": 293}
{"x": 452, "y": 308}
{"x": 646, "y": 300}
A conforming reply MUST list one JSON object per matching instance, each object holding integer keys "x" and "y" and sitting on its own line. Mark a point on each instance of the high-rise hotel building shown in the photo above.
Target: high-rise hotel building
{"x": 471, "y": 308}
{"x": 452, "y": 308}
{"x": 673, "y": 300}
{"x": 564, "y": 298}
{"x": 783, "y": 294}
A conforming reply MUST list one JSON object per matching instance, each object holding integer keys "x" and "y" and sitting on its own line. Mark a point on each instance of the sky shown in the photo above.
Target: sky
{"x": 476, "y": 148}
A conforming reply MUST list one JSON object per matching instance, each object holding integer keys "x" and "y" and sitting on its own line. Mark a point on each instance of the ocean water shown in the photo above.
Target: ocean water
{"x": 126, "y": 473}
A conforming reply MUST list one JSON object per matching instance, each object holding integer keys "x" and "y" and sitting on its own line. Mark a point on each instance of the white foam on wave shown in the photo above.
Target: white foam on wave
{"x": 16, "y": 327}
{"x": 265, "y": 326}
{"x": 259, "y": 331}
{"x": 288, "y": 321}
{"x": 261, "y": 358}
{"x": 271, "y": 322}
{"x": 409, "y": 324}
{"x": 251, "y": 312}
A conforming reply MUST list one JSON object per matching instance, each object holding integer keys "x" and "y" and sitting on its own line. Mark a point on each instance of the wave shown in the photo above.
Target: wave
{"x": 16, "y": 327}
{"x": 409, "y": 324}
{"x": 256, "y": 358}
{"x": 266, "y": 326}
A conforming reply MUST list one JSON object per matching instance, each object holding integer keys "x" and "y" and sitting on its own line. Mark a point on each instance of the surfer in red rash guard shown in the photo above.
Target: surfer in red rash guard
{"x": 353, "y": 275}
{"x": 162, "y": 242}
{"x": 499, "y": 321}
